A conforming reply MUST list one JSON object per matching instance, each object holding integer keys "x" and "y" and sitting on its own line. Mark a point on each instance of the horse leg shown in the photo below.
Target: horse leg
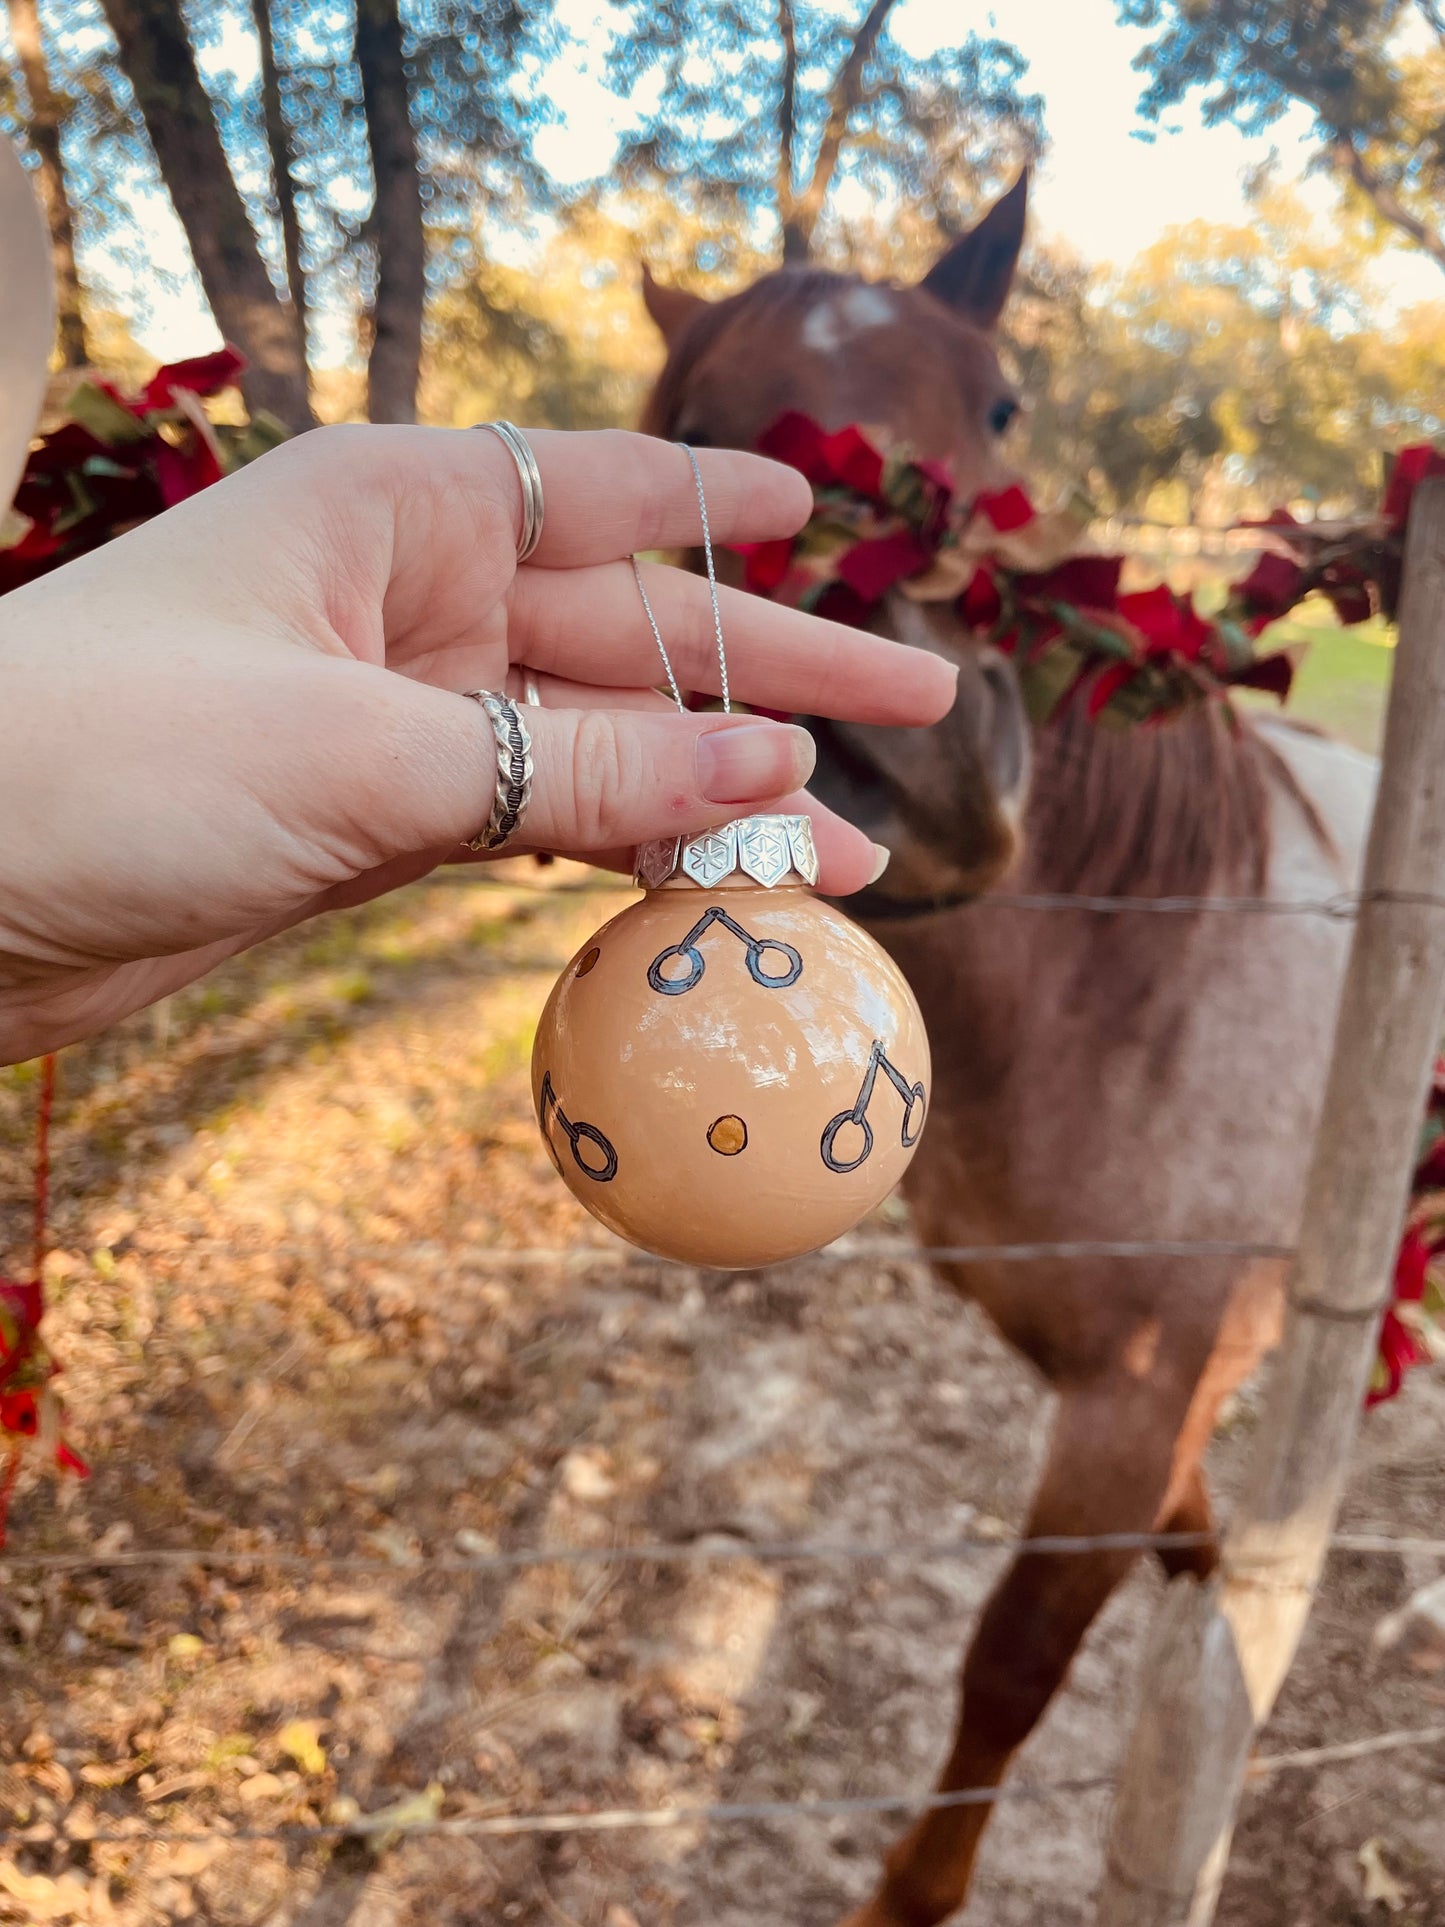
{"x": 1191, "y": 1512}
{"x": 1111, "y": 1468}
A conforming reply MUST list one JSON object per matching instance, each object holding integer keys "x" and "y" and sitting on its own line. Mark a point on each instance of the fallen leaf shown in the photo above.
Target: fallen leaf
{"x": 472, "y": 1544}
{"x": 67, "y": 1898}
{"x": 586, "y": 1474}
{"x": 395, "y": 1545}
{"x": 1379, "y": 1885}
{"x": 386, "y": 1826}
{"x": 301, "y": 1740}
{"x": 261, "y": 1786}
{"x": 110, "y": 1773}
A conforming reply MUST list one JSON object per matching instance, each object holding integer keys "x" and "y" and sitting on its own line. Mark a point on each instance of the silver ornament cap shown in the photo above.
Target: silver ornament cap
{"x": 775, "y": 852}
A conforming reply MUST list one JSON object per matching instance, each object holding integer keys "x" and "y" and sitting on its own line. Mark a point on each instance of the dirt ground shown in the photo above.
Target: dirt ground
{"x": 289, "y": 1328}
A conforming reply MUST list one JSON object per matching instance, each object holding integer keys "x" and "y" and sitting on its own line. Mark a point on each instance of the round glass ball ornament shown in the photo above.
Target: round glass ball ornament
{"x": 730, "y": 1073}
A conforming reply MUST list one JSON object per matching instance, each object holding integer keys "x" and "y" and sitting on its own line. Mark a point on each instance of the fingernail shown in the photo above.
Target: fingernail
{"x": 881, "y": 865}
{"x": 753, "y": 761}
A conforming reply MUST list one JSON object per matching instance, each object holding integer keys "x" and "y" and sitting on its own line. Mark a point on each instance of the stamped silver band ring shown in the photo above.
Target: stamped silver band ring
{"x": 514, "y": 770}
{"x": 530, "y": 476}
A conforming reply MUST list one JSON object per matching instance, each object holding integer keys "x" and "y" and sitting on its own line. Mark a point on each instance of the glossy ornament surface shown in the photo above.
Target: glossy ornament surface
{"x": 731, "y": 1073}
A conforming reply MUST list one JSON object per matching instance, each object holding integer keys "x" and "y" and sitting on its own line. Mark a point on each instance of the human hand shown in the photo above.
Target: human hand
{"x": 245, "y": 712}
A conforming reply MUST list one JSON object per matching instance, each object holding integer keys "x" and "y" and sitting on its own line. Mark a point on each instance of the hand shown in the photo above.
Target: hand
{"x": 246, "y": 711}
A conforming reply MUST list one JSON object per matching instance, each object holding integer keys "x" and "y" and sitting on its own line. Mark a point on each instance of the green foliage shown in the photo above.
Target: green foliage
{"x": 1372, "y": 72}
{"x": 1224, "y": 370}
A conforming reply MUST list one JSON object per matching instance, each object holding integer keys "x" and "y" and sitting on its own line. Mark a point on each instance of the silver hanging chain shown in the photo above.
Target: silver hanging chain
{"x": 722, "y": 660}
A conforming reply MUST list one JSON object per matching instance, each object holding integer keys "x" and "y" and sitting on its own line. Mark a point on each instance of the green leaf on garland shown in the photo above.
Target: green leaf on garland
{"x": 1048, "y": 679}
{"x": 260, "y": 435}
{"x": 82, "y": 504}
{"x": 107, "y": 419}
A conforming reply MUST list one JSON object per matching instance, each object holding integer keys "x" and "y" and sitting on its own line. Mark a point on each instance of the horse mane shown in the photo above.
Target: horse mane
{"x": 1179, "y": 808}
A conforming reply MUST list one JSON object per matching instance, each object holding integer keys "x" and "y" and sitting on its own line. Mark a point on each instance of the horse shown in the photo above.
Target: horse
{"x": 1099, "y": 1075}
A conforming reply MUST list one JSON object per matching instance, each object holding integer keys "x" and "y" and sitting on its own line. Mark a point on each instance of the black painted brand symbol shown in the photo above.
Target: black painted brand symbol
{"x": 687, "y": 949}
{"x": 913, "y": 1103}
{"x": 577, "y": 1135}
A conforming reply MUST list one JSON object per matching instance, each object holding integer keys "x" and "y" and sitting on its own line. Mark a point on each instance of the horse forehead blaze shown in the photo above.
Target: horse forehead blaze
{"x": 835, "y": 319}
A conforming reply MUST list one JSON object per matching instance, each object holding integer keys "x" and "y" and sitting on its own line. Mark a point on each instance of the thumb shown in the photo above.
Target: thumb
{"x": 602, "y": 778}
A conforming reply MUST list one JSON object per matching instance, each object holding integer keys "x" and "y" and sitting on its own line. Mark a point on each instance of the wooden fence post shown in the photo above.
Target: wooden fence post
{"x": 1220, "y": 1652}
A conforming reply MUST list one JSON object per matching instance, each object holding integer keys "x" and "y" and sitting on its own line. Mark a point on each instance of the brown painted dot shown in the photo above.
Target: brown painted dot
{"x": 588, "y": 959}
{"x": 729, "y": 1135}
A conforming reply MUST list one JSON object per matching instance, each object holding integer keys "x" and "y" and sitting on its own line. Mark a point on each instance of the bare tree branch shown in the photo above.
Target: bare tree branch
{"x": 279, "y": 143}
{"x": 787, "y": 132}
{"x": 43, "y": 129}
{"x": 1347, "y": 158}
{"x": 843, "y": 97}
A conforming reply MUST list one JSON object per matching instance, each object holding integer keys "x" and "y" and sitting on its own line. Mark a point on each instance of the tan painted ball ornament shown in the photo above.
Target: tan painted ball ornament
{"x": 729, "y": 1072}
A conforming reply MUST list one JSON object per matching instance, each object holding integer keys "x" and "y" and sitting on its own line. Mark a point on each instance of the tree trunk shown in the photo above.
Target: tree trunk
{"x": 156, "y": 54}
{"x": 795, "y": 239}
{"x": 46, "y": 113}
{"x": 278, "y": 140}
{"x": 396, "y": 217}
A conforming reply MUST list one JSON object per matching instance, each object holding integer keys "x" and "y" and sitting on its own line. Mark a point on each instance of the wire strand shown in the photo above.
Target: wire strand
{"x": 387, "y": 1824}
{"x": 45, "y": 1112}
{"x": 1344, "y": 907}
{"x": 716, "y": 1546}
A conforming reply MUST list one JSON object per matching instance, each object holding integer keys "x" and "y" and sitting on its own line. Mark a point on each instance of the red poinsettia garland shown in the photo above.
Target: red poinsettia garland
{"x": 117, "y": 460}
{"x": 1021, "y": 578}
{"x": 1026, "y": 580}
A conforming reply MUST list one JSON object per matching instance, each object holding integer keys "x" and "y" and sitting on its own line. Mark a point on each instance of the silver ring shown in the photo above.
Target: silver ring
{"x": 514, "y": 771}
{"x": 531, "y": 694}
{"x": 530, "y": 476}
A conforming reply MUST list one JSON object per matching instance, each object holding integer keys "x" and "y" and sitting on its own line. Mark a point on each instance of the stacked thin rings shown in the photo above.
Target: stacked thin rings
{"x": 530, "y": 476}
{"x": 514, "y": 770}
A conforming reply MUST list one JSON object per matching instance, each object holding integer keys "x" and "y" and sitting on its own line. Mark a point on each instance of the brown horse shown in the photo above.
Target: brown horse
{"x": 1130, "y": 1075}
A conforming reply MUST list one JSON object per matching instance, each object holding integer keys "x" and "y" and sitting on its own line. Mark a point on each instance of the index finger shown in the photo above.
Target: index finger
{"x": 608, "y": 492}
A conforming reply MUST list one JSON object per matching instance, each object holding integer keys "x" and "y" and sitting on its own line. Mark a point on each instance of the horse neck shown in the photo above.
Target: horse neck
{"x": 1177, "y": 810}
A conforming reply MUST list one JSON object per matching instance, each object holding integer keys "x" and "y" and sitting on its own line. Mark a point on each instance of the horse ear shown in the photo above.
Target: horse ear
{"x": 977, "y": 272}
{"x": 671, "y": 308}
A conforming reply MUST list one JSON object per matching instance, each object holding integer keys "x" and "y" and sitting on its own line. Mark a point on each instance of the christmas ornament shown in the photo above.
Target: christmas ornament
{"x": 730, "y": 1073}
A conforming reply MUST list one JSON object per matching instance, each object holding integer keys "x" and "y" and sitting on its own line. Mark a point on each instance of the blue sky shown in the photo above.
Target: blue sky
{"x": 1103, "y": 191}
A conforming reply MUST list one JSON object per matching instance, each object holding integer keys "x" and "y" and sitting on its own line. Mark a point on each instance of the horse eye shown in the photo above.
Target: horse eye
{"x": 1002, "y": 413}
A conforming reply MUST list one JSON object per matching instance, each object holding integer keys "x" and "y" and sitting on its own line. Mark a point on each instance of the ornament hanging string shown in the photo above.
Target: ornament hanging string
{"x": 722, "y": 660}
{"x": 45, "y": 1112}
{"x": 29, "y": 1408}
